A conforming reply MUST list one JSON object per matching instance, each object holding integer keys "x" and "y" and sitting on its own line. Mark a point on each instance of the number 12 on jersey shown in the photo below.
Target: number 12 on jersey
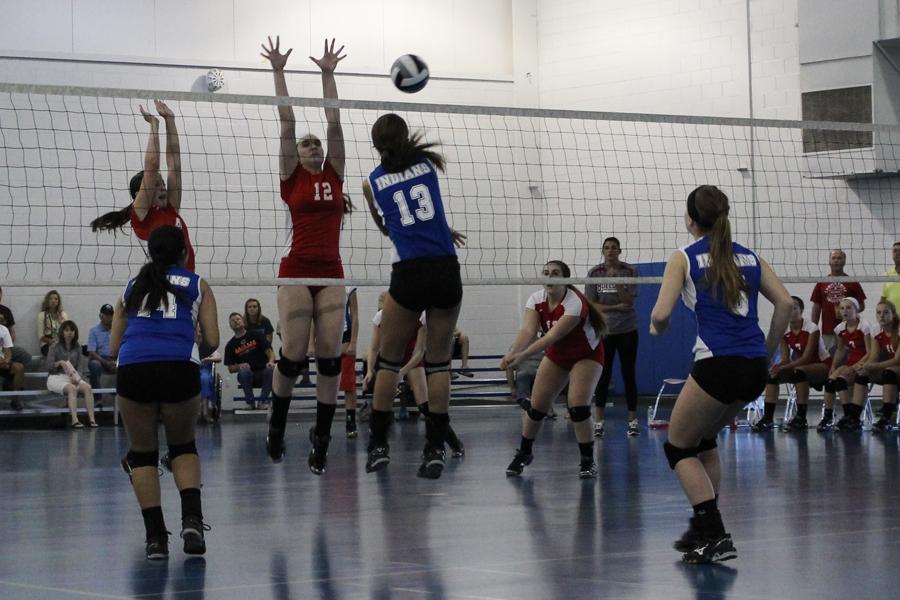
{"x": 420, "y": 194}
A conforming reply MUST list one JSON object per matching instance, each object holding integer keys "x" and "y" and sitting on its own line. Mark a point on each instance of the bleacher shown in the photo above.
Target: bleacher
{"x": 487, "y": 387}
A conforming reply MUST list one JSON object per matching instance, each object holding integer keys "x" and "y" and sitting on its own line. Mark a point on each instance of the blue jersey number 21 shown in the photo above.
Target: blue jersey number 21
{"x": 420, "y": 194}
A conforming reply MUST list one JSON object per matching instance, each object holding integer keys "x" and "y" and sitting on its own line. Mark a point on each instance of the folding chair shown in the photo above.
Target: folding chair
{"x": 652, "y": 413}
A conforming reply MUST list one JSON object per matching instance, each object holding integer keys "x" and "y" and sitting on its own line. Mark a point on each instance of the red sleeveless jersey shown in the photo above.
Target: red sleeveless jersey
{"x": 580, "y": 343}
{"x": 855, "y": 341}
{"x": 797, "y": 341}
{"x": 316, "y": 205}
{"x": 886, "y": 345}
{"x": 157, "y": 217}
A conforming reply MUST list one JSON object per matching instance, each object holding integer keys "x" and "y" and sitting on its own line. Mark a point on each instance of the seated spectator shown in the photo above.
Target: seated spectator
{"x": 210, "y": 382}
{"x": 99, "y": 359}
{"x": 49, "y": 320}
{"x": 19, "y": 355}
{"x": 461, "y": 353}
{"x": 63, "y": 361}
{"x": 250, "y": 355}
{"x": 12, "y": 372}
{"x": 255, "y": 321}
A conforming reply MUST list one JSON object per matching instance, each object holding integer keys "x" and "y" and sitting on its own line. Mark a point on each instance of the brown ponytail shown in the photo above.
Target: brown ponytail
{"x": 113, "y": 220}
{"x": 708, "y": 207}
{"x": 399, "y": 150}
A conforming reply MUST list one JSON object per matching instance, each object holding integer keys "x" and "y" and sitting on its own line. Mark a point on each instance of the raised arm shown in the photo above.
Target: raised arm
{"x": 288, "y": 158}
{"x": 373, "y": 210}
{"x": 173, "y": 156}
{"x": 141, "y": 204}
{"x": 335, "y": 153}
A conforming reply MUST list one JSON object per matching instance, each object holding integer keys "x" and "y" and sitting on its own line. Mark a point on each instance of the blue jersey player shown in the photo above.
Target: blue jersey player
{"x": 405, "y": 202}
{"x": 159, "y": 376}
{"x": 720, "y": 281}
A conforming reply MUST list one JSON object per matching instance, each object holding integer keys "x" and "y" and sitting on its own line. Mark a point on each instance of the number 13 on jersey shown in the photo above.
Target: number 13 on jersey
{"x": 420, "y": 194}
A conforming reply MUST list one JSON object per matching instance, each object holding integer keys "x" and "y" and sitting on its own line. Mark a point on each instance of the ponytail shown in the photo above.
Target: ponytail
{"x": 113, "y": 220}
{"x": 708, "y": 207}
{"x": 151, "y": 287}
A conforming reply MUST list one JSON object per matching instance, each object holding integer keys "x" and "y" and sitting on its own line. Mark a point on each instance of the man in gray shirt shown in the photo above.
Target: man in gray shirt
{"x": 616, "y": 302}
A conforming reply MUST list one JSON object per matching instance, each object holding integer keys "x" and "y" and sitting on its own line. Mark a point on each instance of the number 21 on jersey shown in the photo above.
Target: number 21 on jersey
{"x": 420, "y": 194}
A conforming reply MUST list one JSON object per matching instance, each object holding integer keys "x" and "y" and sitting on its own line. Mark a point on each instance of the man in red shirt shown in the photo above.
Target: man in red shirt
{"x": 827, "y": 295}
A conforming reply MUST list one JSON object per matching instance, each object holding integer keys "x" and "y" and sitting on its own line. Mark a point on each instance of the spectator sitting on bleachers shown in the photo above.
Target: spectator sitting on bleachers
{"x": 254, "y": 320}
{"x": 19, "y": 355}
{"x": 63, "y": 361}
{"x": 99, "y": 359}
{"x": 209, "y": 384}
{"x": 49, "y": 320}
{"x": 461, "y": 353}
{"x": 250, "y": 355}
{"x": 12, "y": 372}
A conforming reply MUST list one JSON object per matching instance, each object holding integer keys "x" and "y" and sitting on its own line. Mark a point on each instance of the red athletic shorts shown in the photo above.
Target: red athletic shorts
{"x": 565, "y": 358}
{"x": 293, "y": 266}
{"x": 348, "y": 373}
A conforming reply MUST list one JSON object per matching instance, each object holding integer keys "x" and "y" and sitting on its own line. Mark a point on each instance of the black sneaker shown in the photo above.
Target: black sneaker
{"x": 518, "y": 464}
{"x": 796, "y": 424}
{"x": 457, "y": 449}
{"x": 882, "y": 424}
{"x": 157, "y": 547}
{"x": 432, "y": 463}
{"x": 587, "y": 470}
{"x": 763, "y": 425}
{"x": 710, "y": 551}
{"x": 192, "y": 529}
{"x": 690, "y": 539}
{"x": 378, "y": 459}
{"x": 351, "y": 430}
{"x": 634, "y": 429}
{"x": 275, "y": 445}
{"x": 826, "y": 424}
{"x": 318, "y": 453}
{"x": 598, "y": 429}
{"x": 849, "y": 424}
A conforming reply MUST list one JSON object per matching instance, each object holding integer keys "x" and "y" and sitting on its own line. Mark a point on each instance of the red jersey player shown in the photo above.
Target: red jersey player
{"x": 573, "y": 353}
{"x": 155, "y": 202}
{"x": 854, "y": 348}
{"x": 884, "y": 368}
{"x": 312, "y": 188}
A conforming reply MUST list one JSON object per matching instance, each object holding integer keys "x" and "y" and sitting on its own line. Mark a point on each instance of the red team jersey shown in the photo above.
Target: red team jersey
{"x": 580, "y": 343}
{"x": 885, "y": 345}
{"x": 157, "y": 217}
{"x": 855, "y": 341}
{"x": 316, "y": 205}
{"x": 797, "y": 341}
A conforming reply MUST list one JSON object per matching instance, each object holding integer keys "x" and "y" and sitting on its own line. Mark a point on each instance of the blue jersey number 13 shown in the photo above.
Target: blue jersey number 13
{"x": 420, "y": 194}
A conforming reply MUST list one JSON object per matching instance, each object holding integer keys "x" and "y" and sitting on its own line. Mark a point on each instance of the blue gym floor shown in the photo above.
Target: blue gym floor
{"x": 812, "y": 516}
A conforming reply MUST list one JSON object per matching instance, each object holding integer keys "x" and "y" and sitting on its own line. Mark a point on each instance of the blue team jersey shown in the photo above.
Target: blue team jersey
{"x": 160, "y": 334}
{"x": 410, "y": 204}
{"x": 722, "y": 331}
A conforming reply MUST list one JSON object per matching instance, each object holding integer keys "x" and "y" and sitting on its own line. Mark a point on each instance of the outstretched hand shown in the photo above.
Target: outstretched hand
{"x": 330, "y": 58}
{"x": 459, "y": 238}
{"x": 163, "y": 109}
{"x": 147, "y": 116}
{"x": 273, "y": 54}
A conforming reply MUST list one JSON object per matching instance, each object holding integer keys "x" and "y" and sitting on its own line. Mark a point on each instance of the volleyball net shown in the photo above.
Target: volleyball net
{"x": 525, "y": 185}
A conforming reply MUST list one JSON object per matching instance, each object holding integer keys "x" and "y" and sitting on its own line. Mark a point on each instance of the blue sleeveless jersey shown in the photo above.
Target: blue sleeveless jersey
{"x": 410, "y": 204}
{"x": 164, "y": 335}
{"x": 722, "y": 331}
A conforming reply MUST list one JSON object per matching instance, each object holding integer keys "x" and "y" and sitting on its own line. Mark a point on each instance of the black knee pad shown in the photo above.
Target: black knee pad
{"x": 329, "y": 367}
{"x": 436, "y": 367}
{"x": 290, "y": 368}
{"x": 179, "y": 449}
{"x": 799, "y": 376}
{"x": 535, "y": 415}
{"x": 861, "y": 380}
{"x": 675, "y": 454}
{"x": 888, "y": 376}
{"x": 135, "y": 460}
{"x": 577, "y": 414}
{"x": 706, "y": 445}
{"x": 387, "y": 365}
{"x": 835, "y": 385}
{"x": 772, "y": 380}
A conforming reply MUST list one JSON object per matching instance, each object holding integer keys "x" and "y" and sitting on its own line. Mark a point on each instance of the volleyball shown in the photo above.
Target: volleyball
{"x": 214, "y": 80}
{"x": 409, "y": 73}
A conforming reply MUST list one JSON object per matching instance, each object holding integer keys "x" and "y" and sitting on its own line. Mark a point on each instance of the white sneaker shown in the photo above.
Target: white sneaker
{"x": 598, "y": 429}
{"x": 633, "y": 429}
